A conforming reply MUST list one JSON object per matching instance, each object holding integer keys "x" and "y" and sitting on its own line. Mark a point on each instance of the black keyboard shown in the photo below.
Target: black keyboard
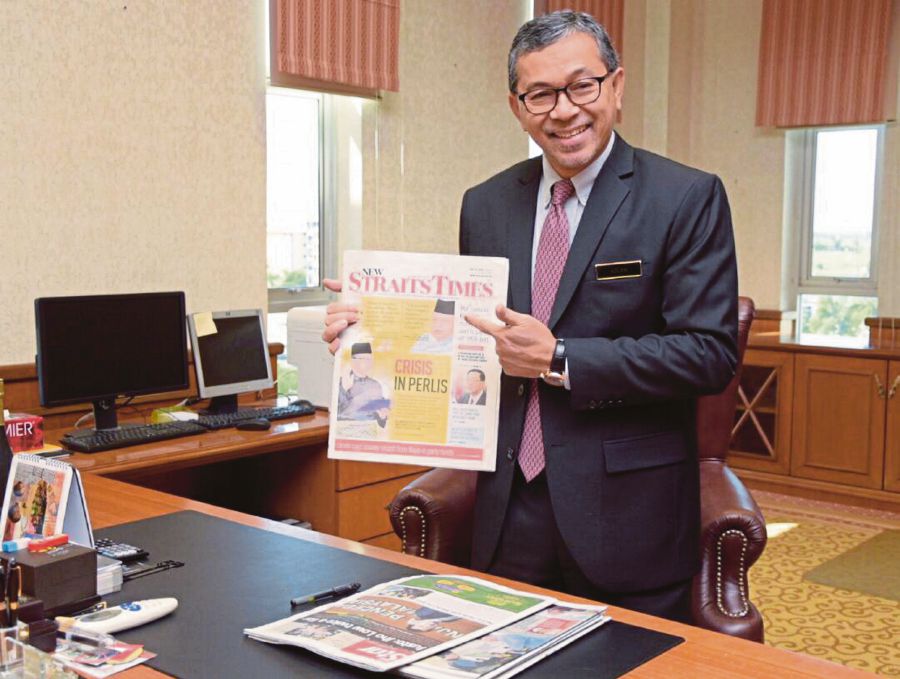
{"x": 226, "y": 420}
{"x": 90, "y": 441}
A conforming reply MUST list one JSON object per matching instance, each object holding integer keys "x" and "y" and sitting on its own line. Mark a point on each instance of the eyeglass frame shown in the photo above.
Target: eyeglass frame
{"x": 565, "y": 88}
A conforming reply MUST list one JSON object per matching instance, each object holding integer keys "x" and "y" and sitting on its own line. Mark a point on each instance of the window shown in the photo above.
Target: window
{"x": 833, "y": 180}
{"x": 314, "y": 200}
{"x": 297, "y": 238}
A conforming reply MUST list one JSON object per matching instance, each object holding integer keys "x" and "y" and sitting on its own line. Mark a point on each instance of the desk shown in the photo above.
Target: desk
{"x": 704, "y": 653}
{"x": 282, "y": 472}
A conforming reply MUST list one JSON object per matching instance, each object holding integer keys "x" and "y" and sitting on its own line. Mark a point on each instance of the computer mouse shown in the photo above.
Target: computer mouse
{"x": 302, "y": 402}
{"x": 260, "y": 424}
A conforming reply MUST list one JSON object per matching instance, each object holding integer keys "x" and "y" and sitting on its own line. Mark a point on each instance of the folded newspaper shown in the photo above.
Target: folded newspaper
{"x": 436, "y": 626}
{"x": 413, "y": 381}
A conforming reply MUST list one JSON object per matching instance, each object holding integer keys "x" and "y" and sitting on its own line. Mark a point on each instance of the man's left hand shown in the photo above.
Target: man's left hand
{"x": 524, "y": 345}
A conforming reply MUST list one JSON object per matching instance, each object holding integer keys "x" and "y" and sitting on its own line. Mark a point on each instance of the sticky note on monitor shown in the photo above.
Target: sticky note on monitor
{"x": 204, "y": 324}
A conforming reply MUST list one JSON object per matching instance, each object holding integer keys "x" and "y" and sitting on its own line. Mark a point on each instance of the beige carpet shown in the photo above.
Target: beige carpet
{"x": 837, "y": 623}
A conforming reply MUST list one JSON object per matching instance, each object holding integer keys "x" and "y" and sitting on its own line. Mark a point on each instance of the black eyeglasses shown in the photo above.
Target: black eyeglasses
{"x": 580, "y": 92}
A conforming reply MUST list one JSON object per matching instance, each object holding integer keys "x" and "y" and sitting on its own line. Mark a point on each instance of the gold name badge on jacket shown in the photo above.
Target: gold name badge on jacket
{"x": 611, "y": 271}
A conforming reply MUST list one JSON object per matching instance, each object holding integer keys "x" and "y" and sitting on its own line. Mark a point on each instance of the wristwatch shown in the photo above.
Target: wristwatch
{"x": 556, "y": 375}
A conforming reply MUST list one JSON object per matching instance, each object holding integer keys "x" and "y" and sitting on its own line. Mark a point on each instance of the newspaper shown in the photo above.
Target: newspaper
{"x": 402, "y": 621}
{"x": 511, "y": 649}
{"x": 413, "y": 382}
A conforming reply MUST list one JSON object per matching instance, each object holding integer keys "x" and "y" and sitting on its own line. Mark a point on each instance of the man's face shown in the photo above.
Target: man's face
{"x": 441, "y": 326}
{"x": 473, "y": 383}
{"x": 571, "y": 136}
{"x": 361, "y": 364}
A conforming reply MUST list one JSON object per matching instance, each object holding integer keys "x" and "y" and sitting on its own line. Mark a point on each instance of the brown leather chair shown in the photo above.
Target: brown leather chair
{"x": 433, "y": 515}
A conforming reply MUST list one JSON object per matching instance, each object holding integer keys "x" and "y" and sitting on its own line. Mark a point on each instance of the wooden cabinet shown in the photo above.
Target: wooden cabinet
{"x": 823, "y": 422}
{"x": 761, "y": 436}
{"x": 892, "y": 429}
{"x": 339, "y": 497}
{"x": 839, "y": 418}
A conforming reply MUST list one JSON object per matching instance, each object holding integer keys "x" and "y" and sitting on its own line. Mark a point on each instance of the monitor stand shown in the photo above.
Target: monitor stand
{"x": 105, "y": 418}
{"x": 105, "y": 414}
{"x": 222, "y": 405}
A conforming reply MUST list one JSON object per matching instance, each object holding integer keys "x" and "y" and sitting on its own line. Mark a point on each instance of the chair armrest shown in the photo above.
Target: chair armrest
{"x": 433, "y": 515}
{"x": 732, "y": 537}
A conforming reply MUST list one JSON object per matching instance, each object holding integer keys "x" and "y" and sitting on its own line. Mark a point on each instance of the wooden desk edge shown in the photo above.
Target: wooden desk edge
{"x": 113, "y": 502}
{"x": 200, "y": 449}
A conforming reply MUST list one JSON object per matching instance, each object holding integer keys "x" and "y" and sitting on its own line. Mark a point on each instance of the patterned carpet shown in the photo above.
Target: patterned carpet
{"x": 845, "y": 626}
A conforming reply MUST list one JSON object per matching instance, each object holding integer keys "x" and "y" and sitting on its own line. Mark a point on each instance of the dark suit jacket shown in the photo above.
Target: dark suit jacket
{"x": 620, "y": 447}
{"x": 480, "y": 402}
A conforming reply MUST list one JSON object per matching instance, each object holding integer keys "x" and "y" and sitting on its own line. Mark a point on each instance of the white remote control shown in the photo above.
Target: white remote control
{"x": 127, "y": 615}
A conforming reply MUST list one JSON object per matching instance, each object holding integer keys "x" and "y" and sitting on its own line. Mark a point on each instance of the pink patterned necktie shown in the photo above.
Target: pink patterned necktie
{"x": 553, "y": 248}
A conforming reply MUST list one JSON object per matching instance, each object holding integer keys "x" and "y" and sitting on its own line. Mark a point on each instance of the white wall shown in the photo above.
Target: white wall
{"x": 132, "y": 139}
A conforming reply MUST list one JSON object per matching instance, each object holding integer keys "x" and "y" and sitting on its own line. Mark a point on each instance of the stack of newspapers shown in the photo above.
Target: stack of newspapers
{"x": 437, "y": 626}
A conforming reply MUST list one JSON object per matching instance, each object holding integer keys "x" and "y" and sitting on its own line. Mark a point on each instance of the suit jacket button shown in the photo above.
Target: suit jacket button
{"x": 521, "y": 390}
{"x": 510, "y": 453}
{"x": 592, "y": 404}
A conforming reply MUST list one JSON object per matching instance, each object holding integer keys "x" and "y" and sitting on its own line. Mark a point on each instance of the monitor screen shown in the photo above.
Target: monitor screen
{"x": 101, "y": 346}
{"x": 235, "y": 357}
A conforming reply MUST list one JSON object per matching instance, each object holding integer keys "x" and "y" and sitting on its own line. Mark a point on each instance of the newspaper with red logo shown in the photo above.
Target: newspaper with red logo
{"x": 413, "y": 382}
{"x": 407, "y": 620}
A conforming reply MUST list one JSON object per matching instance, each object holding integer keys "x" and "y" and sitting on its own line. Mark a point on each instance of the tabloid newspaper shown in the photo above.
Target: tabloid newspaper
{"x": 413, "y": 382}
{"x": 448, "y": 626}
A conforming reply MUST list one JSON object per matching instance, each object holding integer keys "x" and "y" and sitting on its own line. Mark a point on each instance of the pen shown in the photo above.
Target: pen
{"x": 82, "y": 638}
{"x": 13, "y": 585}
{"x": 334, "y": 593}
{"x": 4, "y": 602}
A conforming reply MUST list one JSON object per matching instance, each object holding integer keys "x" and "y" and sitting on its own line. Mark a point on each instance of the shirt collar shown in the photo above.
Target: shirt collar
{"x": 583, "y": 181}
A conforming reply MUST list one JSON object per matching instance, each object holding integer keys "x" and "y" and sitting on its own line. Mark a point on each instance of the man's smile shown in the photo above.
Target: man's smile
{"x": 569, "y": 134}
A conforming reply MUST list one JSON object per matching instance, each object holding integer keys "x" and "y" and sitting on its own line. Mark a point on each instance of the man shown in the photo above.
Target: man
{"x": 622, "y": 310}
{"x": 360, "y": 397}
{"x": 475, "y": 394}
{"x": 440, "y": 339}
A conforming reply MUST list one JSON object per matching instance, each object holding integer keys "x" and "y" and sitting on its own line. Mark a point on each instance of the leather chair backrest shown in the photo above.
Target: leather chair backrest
{"x": 715, "y": 413}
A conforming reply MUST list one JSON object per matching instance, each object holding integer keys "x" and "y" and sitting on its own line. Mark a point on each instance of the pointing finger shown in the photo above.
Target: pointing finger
{"x": 486, "y": 325}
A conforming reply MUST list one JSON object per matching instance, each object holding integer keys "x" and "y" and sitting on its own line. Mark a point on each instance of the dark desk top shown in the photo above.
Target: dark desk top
{"x": 704, "y": 653}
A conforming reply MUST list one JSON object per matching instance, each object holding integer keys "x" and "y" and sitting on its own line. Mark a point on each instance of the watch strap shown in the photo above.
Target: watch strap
{"x": 558, "y": 362}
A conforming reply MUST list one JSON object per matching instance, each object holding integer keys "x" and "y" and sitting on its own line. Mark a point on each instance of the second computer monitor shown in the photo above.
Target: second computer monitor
{"x": 232, "y": 359}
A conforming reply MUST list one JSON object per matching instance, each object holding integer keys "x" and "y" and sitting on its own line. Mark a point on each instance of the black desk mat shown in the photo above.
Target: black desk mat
{"x": 236, "y": 577}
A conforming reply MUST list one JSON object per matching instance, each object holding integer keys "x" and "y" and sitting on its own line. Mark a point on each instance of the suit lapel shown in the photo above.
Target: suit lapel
{"x": 520, "y": 235}
{"x": 607, "y": 195}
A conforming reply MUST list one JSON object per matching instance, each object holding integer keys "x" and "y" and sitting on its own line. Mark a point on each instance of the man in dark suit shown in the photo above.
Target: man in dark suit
{"x": 622, "y": 310}
{"x": 474, "y": 394}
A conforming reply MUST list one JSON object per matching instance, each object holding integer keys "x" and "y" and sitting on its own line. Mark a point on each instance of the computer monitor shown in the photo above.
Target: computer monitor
{"x": 231, "y": 360}
{"x": 95, "y": 348}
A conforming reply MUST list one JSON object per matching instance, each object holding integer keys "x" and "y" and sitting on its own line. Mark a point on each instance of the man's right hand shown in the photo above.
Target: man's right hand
{"x": 337, "y": 317}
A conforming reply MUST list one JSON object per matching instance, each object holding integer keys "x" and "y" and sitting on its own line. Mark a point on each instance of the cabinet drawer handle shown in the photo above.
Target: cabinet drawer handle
{"x": 879, "y": 387}
{"x": 894, "y": 386}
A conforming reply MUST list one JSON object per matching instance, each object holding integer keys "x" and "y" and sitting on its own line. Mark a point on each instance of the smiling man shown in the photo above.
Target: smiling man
{"x": 622, "y": 310}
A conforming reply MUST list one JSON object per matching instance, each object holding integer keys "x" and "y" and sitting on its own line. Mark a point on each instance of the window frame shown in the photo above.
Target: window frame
{"x": 280, "y": 300}
{"x": 803, "y": 188}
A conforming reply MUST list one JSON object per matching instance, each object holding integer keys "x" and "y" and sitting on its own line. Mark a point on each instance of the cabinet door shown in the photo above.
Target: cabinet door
{"x": 761, "y": 437}
{"x": 892, "y": 443}
{"x": 839, "y": 417}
